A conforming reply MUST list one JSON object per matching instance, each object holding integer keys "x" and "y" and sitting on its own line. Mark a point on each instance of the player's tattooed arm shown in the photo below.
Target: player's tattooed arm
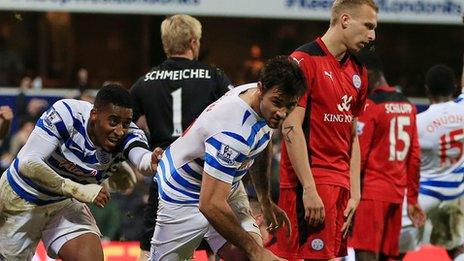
{"x": 287, "y": 133}
{"x": 297, "y": 151}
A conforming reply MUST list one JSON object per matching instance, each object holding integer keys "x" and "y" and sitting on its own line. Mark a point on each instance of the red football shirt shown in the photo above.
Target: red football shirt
{"x": 390, "y": 153}
{"x": 336, "y": 94}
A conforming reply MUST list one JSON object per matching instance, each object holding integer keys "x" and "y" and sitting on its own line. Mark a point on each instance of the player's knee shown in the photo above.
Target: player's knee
{"x": 83, "y": 247}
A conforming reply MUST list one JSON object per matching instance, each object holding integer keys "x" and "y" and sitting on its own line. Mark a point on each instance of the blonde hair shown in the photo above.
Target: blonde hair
{"x": 339, "y": 6}
{"x": 177, "y": 31}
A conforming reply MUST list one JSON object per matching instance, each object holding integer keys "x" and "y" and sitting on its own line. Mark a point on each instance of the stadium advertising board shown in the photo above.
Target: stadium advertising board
{"x": 398, "y": 11}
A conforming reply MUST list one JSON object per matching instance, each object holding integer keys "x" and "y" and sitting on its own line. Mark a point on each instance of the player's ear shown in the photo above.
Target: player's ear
{"x": 345, "y": 20}
{"x": 93, "y": 114}
{"x": 260, "y": 87}
{"x": 193, "y": 42}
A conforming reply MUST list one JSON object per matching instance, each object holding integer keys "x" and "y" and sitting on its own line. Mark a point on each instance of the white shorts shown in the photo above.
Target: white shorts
{"x": 23, "y": 224}
{"x": 181, "y": 228}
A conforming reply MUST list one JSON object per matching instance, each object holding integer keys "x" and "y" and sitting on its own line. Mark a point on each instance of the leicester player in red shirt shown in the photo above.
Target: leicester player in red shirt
{"x": 390, "y": 162}
{"x": 320, "y": 163}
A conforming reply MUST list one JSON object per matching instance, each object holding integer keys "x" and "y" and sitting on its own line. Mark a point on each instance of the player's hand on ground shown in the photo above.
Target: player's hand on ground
{"x": 6, "y": 113}
{"x": 348, "y": 214}
{"x": 265, "y": 255}
{"x": 416, "y": 214}
{"x": 314, "y": 207}
{"x": 156, "y": 157}
{"x": 102, "y": 197}
{"x": 276, "y": 218}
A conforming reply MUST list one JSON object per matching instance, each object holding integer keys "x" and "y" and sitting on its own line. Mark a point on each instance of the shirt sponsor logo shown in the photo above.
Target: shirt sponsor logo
{"x": 329, "y": 117}
{"x": 317, "y": 244}
{"x": 72, "y": 168}
{"x": 178, "y": 74}
{"x": 356, "y": 81}
{"x": 345, "y": 104}
{"x": 227, "y": 155}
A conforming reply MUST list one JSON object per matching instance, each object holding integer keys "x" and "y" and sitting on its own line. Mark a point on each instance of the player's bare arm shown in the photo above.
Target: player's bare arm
{"x": 123, "y": 176}
{"x": 260, "y": 175}
{"x": 298, "y": 154}
{"x": 156, "y": 157}
{"x": 214, "y": 206}
{"x": 415, "y": 212}
{"x": 286, "y": 132}
{"x": 355, "y": 183}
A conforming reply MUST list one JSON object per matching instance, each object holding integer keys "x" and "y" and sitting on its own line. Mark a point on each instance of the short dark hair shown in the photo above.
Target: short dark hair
{"x": 113, "y": 94}
{"x": 284, "y": 73}
{"x": 440, "y": 80}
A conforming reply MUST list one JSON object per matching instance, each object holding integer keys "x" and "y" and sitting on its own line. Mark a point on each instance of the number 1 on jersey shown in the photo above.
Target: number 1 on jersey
{"x": 176, "y": 112}
{"x": 397, "y": 132}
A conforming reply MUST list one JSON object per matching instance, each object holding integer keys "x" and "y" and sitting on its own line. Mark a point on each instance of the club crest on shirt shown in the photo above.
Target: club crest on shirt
{"x": 356, "y": 81}
{"x": 317, "y": 244}
{"x": 227, "y": 155}
{"x": 359, "y": 127}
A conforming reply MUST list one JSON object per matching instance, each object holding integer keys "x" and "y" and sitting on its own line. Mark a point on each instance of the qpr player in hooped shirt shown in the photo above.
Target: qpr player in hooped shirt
{"x": 201, "y": 195}
{"x": 74, "y": 147}
{"x": 441, "y": 138}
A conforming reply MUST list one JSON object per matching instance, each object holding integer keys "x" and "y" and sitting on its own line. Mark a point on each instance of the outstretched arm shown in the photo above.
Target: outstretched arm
{"x": 32, "y": 164}
{"x": 144, "y": 160}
